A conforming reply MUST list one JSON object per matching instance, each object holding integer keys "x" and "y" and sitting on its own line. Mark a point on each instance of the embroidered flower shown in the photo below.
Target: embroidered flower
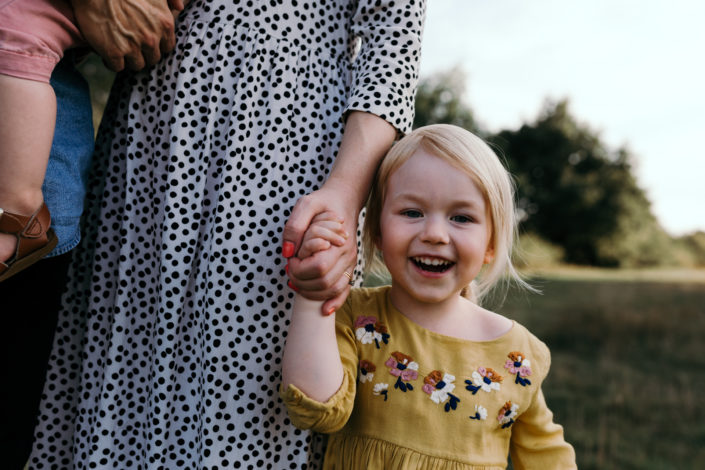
{"x": 439, "y": 386}
{"x": 380, "y": 389}
{"x": 368, "y": 330}
{"x": 518, "y": 364}
{"x": 507, "y": 414}
{"x": 366, "y": 371}
{"x": 484, "y": 378}
{"x": 404, "y": 368}
{"x": 480, "y": 413}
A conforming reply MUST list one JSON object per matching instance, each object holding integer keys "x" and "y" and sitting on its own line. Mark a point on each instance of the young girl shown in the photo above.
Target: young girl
{"x": 33, "y": 37}
{"x": 418, "y": 374}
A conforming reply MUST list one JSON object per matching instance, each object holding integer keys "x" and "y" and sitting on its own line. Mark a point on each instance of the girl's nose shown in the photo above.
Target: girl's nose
{"x": 435, "y": 230}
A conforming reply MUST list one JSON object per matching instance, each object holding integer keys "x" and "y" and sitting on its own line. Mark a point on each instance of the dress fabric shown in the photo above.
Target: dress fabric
{"x": 167, "y": 352}
{"x": 412, "y": 398}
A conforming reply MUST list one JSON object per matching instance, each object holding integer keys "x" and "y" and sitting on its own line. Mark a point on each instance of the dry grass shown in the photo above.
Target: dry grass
{"x": 628, "y": 362}
{"x": 678, "y": 275}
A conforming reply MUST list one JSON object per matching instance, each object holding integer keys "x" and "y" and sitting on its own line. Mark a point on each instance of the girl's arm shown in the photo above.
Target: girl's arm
{"x": 311, "y": 359}
{"x": 366, "y": 139}
{"x": 538, "y": 442}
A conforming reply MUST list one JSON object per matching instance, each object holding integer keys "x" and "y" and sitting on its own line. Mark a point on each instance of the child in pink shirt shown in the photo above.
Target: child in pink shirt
{"x": 33, "y": 37}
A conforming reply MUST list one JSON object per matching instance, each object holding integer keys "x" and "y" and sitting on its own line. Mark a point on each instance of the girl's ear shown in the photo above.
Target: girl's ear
{"x": 489, "y": 255}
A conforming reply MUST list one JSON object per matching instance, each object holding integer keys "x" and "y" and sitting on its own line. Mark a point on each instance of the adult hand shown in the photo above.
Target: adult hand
{"x": 321, "y": 276}
{"x": 132, "y": 33}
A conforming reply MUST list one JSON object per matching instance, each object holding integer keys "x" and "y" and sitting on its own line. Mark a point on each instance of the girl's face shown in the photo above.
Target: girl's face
{"x": 435, "y": 231}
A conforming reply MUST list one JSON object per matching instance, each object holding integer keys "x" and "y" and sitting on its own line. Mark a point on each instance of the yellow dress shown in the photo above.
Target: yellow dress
{"x": 415, "y": 399}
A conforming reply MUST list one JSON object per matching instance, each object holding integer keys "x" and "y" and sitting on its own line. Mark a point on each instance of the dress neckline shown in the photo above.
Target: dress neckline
{"x": 392, "y": 310}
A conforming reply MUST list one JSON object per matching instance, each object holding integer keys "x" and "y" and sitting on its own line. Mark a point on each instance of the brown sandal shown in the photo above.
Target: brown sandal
{"x": 34, "y": 239}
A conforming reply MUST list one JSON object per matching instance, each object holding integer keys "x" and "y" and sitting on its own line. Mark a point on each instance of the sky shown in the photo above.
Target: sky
{"x": 634, "y": 72}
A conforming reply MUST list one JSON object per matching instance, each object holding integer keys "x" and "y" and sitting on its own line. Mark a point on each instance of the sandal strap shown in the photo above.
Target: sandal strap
{"x": 31, "y": 231}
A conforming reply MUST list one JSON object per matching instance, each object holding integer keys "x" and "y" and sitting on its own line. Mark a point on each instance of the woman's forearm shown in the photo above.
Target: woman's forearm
{"x": 366, "y": 139}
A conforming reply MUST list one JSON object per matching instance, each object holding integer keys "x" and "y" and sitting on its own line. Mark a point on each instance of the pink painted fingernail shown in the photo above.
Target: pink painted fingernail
{"x": 287, "y": 249}
{"x": 286, "y": 269}
{"x": 292, "y": 286}
{"x": 331, "y": 311}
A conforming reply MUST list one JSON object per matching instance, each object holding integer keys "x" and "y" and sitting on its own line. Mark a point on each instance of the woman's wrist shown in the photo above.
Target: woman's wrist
{"x": 351, "y": 196}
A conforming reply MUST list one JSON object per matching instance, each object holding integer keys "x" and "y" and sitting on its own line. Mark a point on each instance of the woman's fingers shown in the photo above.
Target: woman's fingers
{"x": 330, "y": 306}
{"x": 303, "y": 212}
{"x": 321, "y": 276}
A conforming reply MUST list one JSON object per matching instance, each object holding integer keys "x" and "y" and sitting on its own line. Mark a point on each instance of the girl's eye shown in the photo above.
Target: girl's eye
{"x": 412, "y": 213}
{"x": 462, "y": 219}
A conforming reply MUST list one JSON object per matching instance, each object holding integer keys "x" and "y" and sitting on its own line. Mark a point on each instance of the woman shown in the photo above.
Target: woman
{"x": 167, "y": 354}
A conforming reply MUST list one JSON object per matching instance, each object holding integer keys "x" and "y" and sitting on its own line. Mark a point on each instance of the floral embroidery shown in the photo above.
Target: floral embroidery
{"x": 484, "y": 378}
{"x": 404, "y": 368}
{"x": 480, "y": 413}
{"x": 518, "y": 364}
{"x": 380, "y": 389}
{"x": 507, "y": 414}
{"x": 366, "y": 371}
{"x": 439, "y": 386}
{"x": 368, "y": 330}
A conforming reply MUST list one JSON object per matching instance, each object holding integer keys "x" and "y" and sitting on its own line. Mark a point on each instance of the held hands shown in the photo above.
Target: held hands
{"x": 322, "y": 275}
{"x": 128, "y": 32}
{"x": 326, "y": 230}
{"x": 321, "y": 248}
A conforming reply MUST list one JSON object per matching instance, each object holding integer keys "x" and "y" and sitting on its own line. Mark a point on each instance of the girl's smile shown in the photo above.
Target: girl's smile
{"x": 432, "y": 265}
{"x": 435, "y": 231}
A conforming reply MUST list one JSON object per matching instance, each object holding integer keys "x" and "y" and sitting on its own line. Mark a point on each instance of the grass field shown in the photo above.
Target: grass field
{"x": 628, "y": 372}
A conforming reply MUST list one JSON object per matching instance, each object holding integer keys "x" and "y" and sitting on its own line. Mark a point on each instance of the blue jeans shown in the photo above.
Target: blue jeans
{"x": 65, "y": 182}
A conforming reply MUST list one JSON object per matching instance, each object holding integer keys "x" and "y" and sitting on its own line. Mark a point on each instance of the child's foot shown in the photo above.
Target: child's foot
{"x": 24, "y": 240}
{"x": 8, "y": 243}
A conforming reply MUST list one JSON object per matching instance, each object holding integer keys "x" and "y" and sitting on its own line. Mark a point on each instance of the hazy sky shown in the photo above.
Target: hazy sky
{"x": 634, "y": 71}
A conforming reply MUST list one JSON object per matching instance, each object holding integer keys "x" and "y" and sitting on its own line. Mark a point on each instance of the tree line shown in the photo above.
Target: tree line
{"x": 576, "y": 196}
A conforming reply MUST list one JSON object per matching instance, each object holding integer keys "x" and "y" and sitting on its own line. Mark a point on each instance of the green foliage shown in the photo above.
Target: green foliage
{"x": 99, "y": 79}
{"x": 575, "y": 195}
{"x": 690, "y": 250}
{"x": 579, "y": 195}
{"x": 440, "y": 100}
{"x": 534, "y": 252}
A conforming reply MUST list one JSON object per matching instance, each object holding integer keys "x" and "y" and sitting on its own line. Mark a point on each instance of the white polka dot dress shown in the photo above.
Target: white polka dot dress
{"x": 167, "y": 352}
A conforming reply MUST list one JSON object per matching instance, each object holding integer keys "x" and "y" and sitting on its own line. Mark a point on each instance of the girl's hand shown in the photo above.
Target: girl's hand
{"x": 326, "y": 229}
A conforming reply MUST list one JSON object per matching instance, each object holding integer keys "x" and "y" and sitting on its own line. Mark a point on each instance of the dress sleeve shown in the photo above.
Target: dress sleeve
{"x": 386, "y": 69}
{"x": 538, "y": 442}
{"x": 331, "y": 416}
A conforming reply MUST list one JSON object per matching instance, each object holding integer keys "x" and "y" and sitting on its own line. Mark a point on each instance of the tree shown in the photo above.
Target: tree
{"x": 572, "y": 190}
{"x": 576, "y": 193}
{"x": 440, "y": 100}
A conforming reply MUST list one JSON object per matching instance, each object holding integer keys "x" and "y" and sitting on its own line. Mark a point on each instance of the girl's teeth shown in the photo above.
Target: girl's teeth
{"x": 432, "y": 261}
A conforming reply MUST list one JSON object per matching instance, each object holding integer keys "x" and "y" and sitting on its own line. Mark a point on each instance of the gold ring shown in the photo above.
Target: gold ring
{"x": 350, "y": 278}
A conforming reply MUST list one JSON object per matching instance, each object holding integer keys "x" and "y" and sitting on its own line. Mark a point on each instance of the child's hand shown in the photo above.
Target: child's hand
{"x": 326, "y": 229}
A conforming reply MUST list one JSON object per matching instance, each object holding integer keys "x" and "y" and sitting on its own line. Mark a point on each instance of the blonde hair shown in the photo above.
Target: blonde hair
{"x": 471, "y": 154}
